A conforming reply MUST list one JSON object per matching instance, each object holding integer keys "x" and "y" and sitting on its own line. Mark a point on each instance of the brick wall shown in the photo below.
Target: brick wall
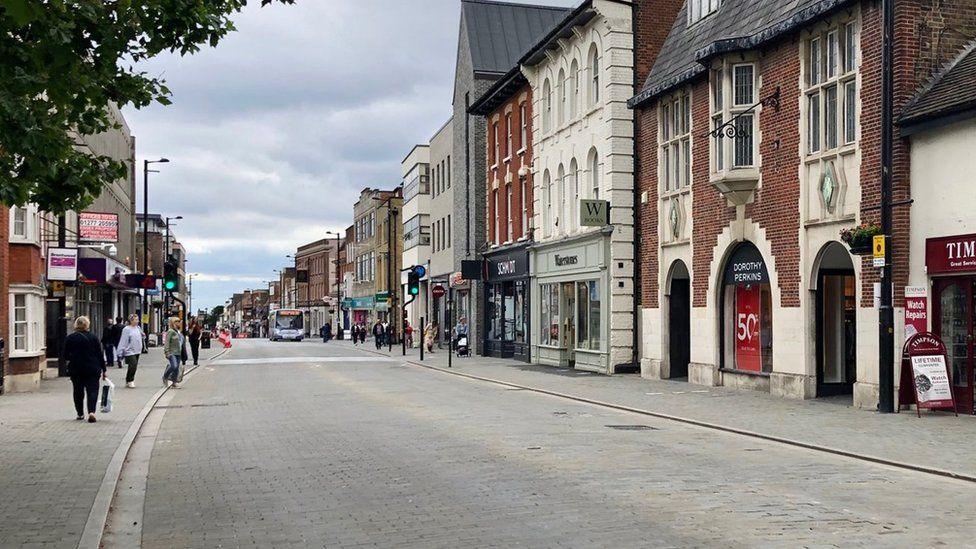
{"x": 508, "y": 170}
{"x": 928, "y": 34}
{"x": 652, "y": 21}
{"x": 5, "y": 280}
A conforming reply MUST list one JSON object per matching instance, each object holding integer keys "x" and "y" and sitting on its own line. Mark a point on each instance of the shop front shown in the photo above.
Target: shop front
{"x": 572, "y": 291}
{"x": 507, "y": 304}
{"x": 747, "y": 313}
{"x": 460, "y": 306}
{"x": 360, "y": 309}
{"x": 951, "y": 264}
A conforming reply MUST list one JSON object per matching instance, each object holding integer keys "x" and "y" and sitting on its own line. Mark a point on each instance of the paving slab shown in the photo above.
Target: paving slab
{"x": 51, "y": 466}
{"x": 939, "y": 441}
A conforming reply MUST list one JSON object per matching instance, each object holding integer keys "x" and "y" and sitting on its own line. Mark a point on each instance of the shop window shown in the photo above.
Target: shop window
{"x": 747, "y": 312}
{"x": 588, "y": 315}
{"x": 549, "y": 300}
{"x": 520, "y": 312}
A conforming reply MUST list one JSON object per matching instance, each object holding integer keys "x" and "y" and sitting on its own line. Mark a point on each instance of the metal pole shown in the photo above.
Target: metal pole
{"x": 62, "y": 303}
{"x": 421, "y": 345}
{"x": 886, "y": 335}
{"x": 391, "y": 303}
{"x": 450, "y": 318}
{"x": 144, "y": 313}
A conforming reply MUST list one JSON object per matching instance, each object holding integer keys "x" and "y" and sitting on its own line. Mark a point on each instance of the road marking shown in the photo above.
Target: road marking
{"x": 653, "y": 394}
{"x": 304, "y": 359}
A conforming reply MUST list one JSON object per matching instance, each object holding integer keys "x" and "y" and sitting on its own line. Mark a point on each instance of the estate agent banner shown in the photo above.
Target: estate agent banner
{"x": 62, "y": 264}
{"x": 98, "y": 227}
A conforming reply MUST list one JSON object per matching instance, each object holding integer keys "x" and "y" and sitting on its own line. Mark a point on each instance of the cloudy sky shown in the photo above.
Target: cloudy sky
{"x": 272, "y": 135}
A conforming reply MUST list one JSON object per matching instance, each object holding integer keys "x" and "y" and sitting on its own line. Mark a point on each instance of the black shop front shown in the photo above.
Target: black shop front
{"x": 507, "y": 304}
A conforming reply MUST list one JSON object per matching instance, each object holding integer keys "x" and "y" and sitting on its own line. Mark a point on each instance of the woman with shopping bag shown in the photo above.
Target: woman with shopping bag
{"x": 84, "y": 356}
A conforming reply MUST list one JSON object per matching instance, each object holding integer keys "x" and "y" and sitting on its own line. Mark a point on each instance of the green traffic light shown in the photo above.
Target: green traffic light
{"x": 170, "y": 285}
{"x": 414, "y": 291}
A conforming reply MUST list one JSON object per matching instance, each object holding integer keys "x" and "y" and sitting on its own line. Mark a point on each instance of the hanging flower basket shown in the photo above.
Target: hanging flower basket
{"x": 860, "y": 239}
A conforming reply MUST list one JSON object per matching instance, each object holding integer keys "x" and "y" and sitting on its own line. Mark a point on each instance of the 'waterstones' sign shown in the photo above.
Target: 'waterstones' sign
{"x": 952, "y": 254}
{"x": 564, "y": 260}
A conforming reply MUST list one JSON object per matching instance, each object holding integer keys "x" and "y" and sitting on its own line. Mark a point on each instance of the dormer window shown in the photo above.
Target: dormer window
{"x": 700, "y": 9}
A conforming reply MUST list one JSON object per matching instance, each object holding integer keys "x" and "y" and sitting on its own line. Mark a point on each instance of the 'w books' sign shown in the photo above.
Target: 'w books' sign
{"x": 594, "y": 213}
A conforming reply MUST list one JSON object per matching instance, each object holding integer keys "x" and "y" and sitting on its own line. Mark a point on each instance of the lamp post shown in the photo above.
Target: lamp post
{"x": 145, "y": 243}
{"x": 338, "y": 310}
{"x": 189, "y": 292}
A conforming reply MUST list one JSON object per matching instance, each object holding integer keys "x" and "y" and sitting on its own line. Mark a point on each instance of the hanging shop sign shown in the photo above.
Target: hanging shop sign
{"x": 62, "y": 264}
{"x": 748, "y": 311}
{"x": 98, "y": 227}
{"x": 950, "y": 254}
{"x": 925, "y": 379}
{"x": 457, "y": 280}
{"x": 594, "y": 213}
{"x": 437, "y": 291}
{"x": 916, "y": 310}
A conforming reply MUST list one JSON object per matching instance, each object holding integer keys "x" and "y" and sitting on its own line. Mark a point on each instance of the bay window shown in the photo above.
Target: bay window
{"x": 734, "y": 94}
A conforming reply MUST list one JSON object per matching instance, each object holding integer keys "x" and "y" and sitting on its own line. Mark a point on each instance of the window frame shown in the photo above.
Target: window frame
{"x": 508, "y": 137}
{"x": 701, "y": 9}
{"x": 830, "y": 89}
{"x": 524, "y": 121}
{"x": 724, "y": 106}
{"x": 674, "y": 134}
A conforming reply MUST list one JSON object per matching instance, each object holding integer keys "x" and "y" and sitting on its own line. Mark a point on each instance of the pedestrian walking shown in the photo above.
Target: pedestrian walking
{"x": 172, "y": 348}
{"x": 461, "y": 329}
{"x": 130, "y": 348}
{"x": 196, "y": 332}
{"x": 326, "y": 332}
{"x": 408, "y": 333}
{"x": 108, "y": 347}
{"x": 378, "y": 332}
{"x": 116, "y": 338}
{"x": 84, "y": 356}
{"x": 430, "y": 335}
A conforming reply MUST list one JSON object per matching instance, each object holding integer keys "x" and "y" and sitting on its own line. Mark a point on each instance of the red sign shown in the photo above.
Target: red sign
{"x": 925, "y": 378}
{"x": 438, "y": 291}
{"x": 98, "y": 227}
{"x": 951, "y": 254}
{"x": 748, "y": 348}
{"x": 916, "y": 310}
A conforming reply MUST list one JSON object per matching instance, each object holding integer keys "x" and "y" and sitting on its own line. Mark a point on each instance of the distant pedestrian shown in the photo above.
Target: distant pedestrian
{"x": 326, "y": 332}
{"x": 408, "y": 333}
{"x": 172, "y": 348}
{"x": 130, "y": 347}
{"x": 85, "y": 359}
{"x": 378, "y": 332}
{"x": 108, "y": 347}
{"x": 116, "y": 338}
{"x": 362, "y": 333}
{"x": 430, "y": 335}
{"x": 196, "y": 332}
{"x": 461, "y": 329}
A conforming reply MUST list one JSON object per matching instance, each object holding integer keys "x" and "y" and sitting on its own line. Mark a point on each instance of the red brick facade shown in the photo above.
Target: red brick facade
{"x": 5, "y": 284}
{"x": 503, "y": 172}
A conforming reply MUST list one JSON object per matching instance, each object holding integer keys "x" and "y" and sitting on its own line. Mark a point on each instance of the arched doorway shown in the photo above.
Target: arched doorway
{"x": 746, "y": 312}
{"x": 679, "y": 321}
{"x": 836, "y": 310}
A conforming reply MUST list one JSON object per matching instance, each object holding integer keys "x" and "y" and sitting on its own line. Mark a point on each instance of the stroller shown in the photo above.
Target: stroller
{"x": 461, "y": 346}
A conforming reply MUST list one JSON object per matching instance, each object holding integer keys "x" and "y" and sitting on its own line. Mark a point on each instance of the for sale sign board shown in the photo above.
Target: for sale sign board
{"x": 98, "y": 227}
{"x": 62, "y": 264}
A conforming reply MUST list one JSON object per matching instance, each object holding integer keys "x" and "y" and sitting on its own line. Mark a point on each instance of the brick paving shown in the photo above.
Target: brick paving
{"x": 382, "y": 454}
{"x": 51, "y": 466}
{"x": 937, "y": 440}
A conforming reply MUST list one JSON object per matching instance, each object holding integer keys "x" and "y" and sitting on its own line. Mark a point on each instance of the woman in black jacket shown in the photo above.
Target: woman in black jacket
{"x": 86, "y": 365}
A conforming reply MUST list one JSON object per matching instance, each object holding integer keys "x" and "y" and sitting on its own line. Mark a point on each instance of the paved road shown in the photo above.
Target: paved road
{"x": 295, "y": 445}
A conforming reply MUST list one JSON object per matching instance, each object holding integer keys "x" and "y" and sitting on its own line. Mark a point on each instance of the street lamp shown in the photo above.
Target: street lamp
{"x": 189, "y": 291}
{"x": 145, "y": 240}
{"x": 338, "y": 306}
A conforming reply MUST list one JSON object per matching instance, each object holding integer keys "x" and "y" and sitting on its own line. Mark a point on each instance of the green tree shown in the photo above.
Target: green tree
{"x": 62, "y": 62}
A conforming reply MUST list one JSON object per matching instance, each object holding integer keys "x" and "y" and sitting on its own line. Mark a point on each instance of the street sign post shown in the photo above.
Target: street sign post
{"x": 879, "y": 250}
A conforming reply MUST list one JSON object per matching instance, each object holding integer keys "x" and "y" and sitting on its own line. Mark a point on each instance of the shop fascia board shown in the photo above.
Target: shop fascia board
{"x": 604, "y": 231}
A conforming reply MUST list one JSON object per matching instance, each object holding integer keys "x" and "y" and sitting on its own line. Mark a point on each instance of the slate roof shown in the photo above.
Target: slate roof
{"x": 950, "y": 92}
{"x": 500, "y": 32}
{"x": 737, "y": 25}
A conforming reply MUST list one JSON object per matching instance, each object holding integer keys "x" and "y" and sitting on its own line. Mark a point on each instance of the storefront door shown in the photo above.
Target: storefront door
{"x": 836, "y": 332}
{"x": 568, "y": 328}
{"x": 955, "y": 322}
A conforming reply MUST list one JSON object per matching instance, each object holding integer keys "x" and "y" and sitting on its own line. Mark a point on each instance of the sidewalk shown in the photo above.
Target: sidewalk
{"x": 934, "y": 441}
{"x": 52, "y": 466}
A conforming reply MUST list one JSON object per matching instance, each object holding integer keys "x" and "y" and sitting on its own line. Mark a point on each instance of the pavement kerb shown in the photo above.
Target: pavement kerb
{"x": 705, "y": 424}
{"x": 91, "y": 537}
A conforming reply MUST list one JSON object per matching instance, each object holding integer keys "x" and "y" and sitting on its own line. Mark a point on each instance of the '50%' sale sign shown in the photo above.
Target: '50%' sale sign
{"x": 748, "y": 346}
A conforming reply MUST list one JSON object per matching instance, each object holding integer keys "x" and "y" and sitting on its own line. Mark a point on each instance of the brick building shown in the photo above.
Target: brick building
{"x": 507, "y": 107}
{"x": 759, "y": 141}
{"x": 317, "y": 297}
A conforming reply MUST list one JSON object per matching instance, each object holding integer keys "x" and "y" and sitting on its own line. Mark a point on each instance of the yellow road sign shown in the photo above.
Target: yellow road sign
{"x": 879, "y": 250}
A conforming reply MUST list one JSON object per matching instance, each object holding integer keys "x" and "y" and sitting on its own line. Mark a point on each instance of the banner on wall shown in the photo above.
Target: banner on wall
{"x": 748, "y": 347}
{"x": 916, "y": 310}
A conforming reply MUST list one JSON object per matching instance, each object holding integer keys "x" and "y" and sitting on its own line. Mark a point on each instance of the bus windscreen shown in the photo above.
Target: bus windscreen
{"x": 288, "y": 321}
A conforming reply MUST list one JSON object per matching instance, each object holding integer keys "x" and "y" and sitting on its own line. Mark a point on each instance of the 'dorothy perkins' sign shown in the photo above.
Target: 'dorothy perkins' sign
{"x": 594, "y": 213}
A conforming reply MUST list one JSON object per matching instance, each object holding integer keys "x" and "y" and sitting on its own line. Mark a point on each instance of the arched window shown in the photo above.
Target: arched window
{"x": 574, "y": 77}
{"x": 594, "y": 62}
{"x": 562, "y": 96}
{"x": 573, "y": 219}
{"x": 547, "y": 203}
{"x": 747, "y": 312}
{"x": 594, "y": 167}
{"x": 546, "y": 106}
{"x": 563, "y": 217}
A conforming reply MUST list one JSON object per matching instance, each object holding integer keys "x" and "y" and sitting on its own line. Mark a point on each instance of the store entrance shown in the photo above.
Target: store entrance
{"x": 567, "y": 293}
{"x": 955, "y": 323}
{"x": 679, "y": 323}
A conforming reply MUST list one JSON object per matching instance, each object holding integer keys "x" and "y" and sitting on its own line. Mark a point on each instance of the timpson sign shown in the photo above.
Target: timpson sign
{"x": 950, "y": 254}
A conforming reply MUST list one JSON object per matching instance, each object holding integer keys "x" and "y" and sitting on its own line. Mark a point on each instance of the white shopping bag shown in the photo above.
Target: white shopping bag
{"x": 106, "y": 394}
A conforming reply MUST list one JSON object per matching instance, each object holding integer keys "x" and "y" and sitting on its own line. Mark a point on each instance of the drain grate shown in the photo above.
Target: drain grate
{"x": 633, "y": 427}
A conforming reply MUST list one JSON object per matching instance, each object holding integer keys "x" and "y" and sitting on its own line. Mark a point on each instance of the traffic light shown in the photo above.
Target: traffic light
{"x": 413, "y": 279}
{"x": 171, "y": 275}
